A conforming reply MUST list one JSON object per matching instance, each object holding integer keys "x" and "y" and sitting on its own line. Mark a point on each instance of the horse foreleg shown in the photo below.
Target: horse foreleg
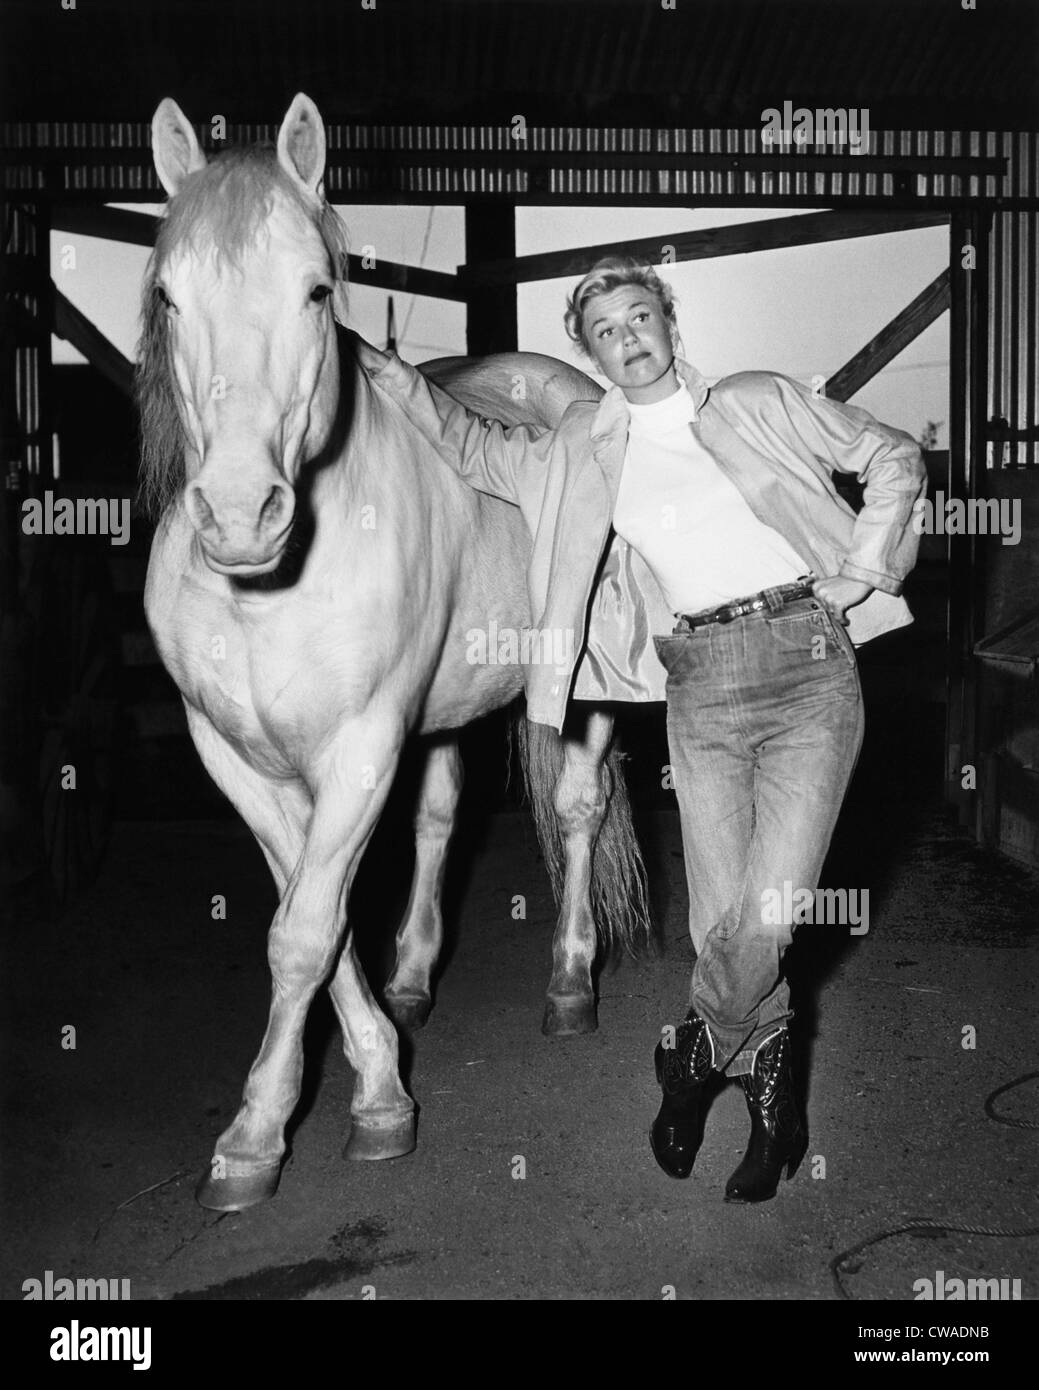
{"x": 277, "y": 814}
{"x": 302, "y": 944}
{"x": 580, "y": 800}
{"x": 422, "y": 931}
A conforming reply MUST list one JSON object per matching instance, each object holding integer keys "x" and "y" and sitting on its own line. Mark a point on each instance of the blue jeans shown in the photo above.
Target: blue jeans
{"x": 764, "y": 725}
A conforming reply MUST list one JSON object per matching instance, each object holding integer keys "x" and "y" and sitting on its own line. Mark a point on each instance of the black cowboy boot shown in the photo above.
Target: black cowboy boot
{"x": 777, "y": 1137}
{"x": 682, "y": 1071}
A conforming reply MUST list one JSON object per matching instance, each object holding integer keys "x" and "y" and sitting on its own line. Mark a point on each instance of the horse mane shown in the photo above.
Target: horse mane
{"x": 220, "y": 209}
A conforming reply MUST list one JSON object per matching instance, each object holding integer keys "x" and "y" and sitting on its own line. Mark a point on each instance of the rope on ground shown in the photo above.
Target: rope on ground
{"x": 993, "y": 1114}
{"x": 130, "y": 1200}
{"x": 927, "y": 1228}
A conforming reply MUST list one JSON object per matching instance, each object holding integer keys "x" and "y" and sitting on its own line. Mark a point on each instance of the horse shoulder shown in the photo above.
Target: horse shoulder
{"x": 168, "y": 561}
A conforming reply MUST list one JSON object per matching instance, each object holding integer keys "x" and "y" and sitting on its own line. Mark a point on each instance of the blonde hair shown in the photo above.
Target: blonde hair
{"x": 612, "y": 273}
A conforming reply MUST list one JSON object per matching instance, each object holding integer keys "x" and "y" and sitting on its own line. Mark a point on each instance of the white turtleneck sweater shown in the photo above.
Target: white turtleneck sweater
{"x": 685, "y": 518}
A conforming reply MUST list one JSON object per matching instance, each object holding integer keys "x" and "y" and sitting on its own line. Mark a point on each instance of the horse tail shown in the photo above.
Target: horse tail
{"x": 620, "y": 901}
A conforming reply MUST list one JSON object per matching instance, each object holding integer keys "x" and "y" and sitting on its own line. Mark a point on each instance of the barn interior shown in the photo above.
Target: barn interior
{"x": 623, "y": 104}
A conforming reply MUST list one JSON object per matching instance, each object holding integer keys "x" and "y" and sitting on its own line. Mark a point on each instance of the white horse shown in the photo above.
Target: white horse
{"x": 314, "y": 570}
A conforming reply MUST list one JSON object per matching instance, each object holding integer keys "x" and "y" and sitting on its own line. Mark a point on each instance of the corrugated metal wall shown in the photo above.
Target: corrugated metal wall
{"x": 563, "y": 164}
{"x": 1013, "y": 325}
{"x": 554, "y": 164}
{"x": 26, "y": 275}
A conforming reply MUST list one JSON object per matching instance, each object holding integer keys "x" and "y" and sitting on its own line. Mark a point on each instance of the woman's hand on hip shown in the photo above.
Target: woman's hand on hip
{"x": 838, "y": 594}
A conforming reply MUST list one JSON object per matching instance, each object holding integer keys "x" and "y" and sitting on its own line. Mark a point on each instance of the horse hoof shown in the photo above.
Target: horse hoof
{"x": 567, "y": 1014}
{"x": 368, "y": 1142}
{"x": 236, "y": 1191}
{"x": 409, "y": 1011}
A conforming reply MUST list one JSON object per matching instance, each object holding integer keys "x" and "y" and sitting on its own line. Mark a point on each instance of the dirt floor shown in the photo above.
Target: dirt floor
{"x": 103, "y": 1144}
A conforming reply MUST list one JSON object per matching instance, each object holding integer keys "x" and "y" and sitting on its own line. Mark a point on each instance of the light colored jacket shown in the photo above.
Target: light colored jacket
{"x": 769, "y": 435}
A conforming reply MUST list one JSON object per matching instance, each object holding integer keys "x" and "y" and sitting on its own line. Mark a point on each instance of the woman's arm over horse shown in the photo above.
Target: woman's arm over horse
{"x": 489, "y": 456}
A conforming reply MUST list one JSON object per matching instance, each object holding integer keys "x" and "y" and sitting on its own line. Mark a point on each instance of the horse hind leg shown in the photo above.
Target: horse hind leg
{"x": 382, "y": 1114}
{"x": 580, "y": 799}
{"x": 407, "y": 993}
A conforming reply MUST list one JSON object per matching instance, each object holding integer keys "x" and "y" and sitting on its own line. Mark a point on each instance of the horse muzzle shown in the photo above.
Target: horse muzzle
{"x": 239, "y": 535}
{"x": 241, "y": 569}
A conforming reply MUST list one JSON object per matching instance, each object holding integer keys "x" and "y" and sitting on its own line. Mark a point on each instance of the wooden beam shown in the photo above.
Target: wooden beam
{"x": 994, "y": 430}
{"x": 890, "y": 341}
{"x": 409, "y": 279}
{"x": 733, "y": 240}
{"x": 76, "y": 328}
{"x": 138, "y": 229}
{"x": 113, "y": 224}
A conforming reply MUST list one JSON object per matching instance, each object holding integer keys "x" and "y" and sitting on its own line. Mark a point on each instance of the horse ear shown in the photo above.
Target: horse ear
{"x": 174, "y": 147}
{"x": 301, "y": 144}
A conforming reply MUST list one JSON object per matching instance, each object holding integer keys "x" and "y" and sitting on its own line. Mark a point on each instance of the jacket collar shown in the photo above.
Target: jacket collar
{"x": 613, "y": 408}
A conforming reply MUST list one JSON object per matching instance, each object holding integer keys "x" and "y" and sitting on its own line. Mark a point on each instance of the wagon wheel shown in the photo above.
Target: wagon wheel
{"x": 74, "y": 695}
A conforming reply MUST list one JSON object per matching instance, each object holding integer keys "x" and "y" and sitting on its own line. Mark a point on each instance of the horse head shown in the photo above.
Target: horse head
{"x": 238, "y": 378}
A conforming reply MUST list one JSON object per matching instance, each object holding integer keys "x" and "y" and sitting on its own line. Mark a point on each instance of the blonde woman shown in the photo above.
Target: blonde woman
{"x": 754, "y": 580}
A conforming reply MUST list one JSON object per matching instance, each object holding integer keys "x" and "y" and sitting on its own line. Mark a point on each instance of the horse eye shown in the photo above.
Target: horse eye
{"x": 320, "y": 293}
{"x": 163, "y": 298}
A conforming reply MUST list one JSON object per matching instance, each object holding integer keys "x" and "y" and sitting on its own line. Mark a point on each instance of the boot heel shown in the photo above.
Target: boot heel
{"x": 797, "y": 1158}
{"x": 778, "y": 1140}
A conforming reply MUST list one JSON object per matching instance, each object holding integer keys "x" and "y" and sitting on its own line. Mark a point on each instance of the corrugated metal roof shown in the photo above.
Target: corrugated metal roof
{"x": 914, "y": 63}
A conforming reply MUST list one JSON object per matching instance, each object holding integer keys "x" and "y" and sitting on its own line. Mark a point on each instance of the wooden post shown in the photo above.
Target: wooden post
{"x": 491, "y": 322}
{"x": 967, "y": 478}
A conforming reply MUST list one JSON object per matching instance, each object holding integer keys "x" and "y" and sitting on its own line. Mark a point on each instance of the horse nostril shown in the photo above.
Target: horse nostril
{"x": 198, "y": 508}
{"x": 272, "y": 513}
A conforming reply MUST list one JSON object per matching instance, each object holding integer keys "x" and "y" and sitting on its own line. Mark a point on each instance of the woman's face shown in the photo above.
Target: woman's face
{"x": 630, "y": 340}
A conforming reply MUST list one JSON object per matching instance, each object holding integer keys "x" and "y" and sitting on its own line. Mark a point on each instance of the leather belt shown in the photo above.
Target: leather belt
{"x": 754, "y": 603}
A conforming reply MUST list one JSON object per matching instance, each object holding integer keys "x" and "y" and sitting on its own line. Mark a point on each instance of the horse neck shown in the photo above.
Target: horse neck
{"x": 378, "y": 454}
